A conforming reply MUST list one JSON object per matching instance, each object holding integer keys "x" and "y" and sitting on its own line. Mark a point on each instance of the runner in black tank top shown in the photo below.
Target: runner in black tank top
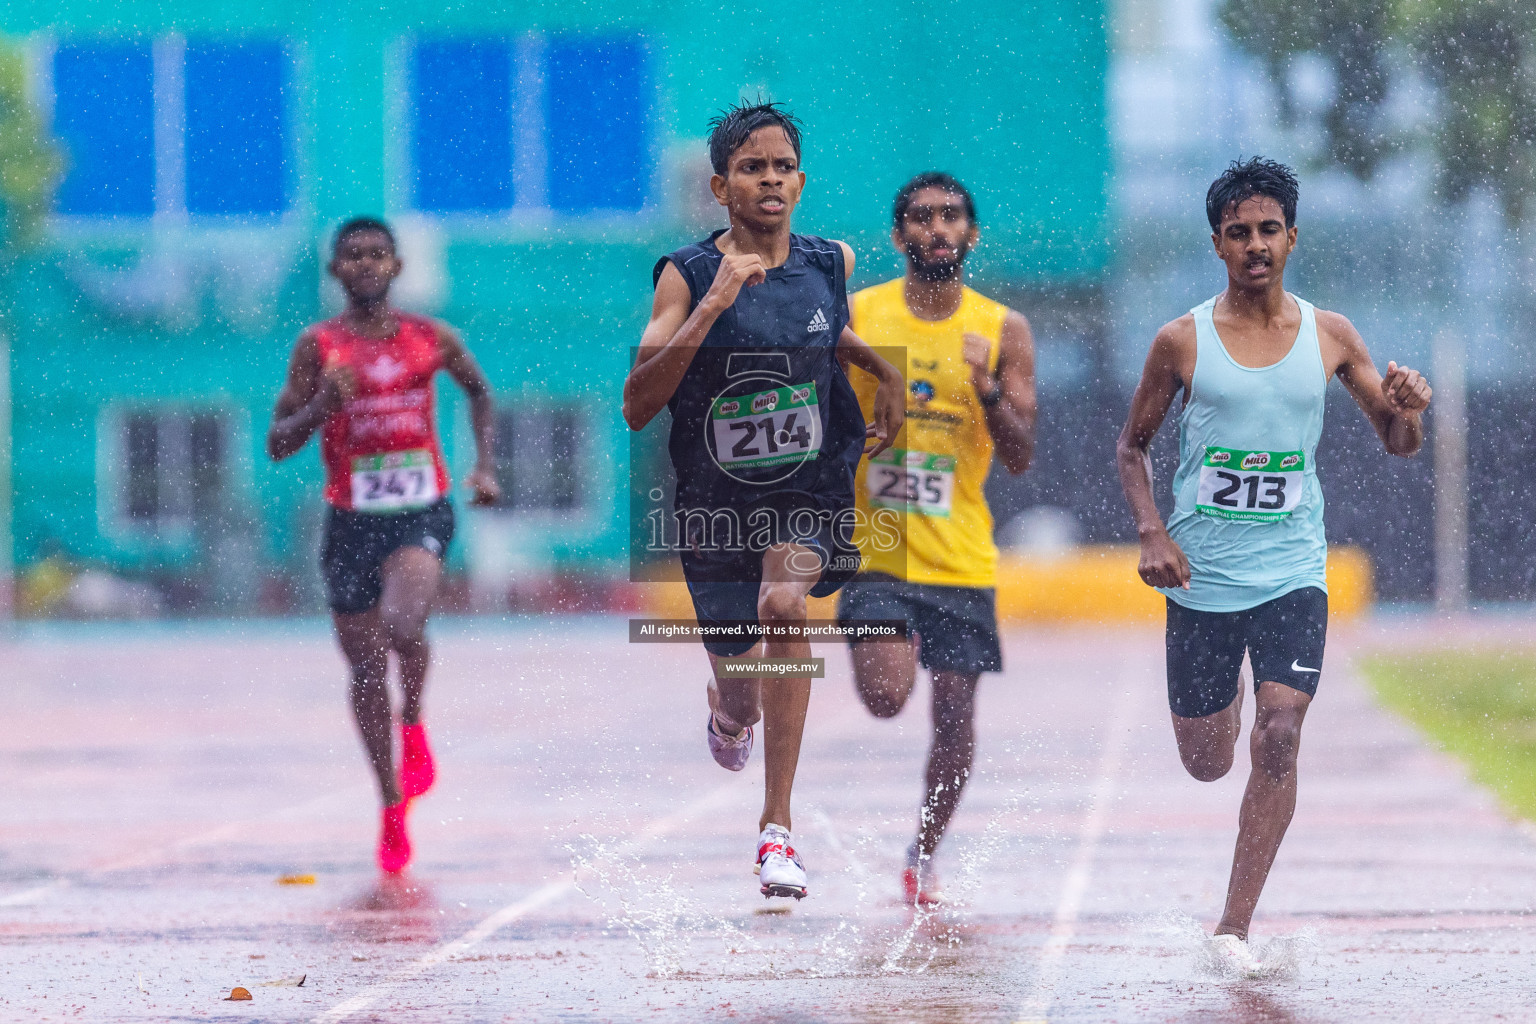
{"x": 747, "y": 334}
{"x": 782, "y": 332}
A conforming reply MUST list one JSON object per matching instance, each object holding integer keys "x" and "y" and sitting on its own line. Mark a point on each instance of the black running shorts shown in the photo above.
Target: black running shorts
{"x": 356, "y": 544}
{"x": 956, "y": 626}
{"x": 725, "y": 584}
{"x": 1284, "y": 640}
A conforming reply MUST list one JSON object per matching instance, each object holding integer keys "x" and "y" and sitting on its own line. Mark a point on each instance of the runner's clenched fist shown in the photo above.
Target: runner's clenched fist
{"x": 1405, "y": 390}
{"x": 736, "y": 272}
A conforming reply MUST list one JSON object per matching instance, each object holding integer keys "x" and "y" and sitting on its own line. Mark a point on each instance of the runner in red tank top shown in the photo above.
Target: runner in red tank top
{"x": 365, "y": 377}
{"x": 390, "y": 412}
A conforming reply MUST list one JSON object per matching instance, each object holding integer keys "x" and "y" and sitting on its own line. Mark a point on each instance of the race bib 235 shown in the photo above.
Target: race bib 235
{"x": 912, "y": 481}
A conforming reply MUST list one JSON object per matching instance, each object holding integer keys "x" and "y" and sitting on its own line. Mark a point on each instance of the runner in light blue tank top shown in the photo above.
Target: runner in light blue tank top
{"x": 1248, "y": 511}
{"x": 1242, "y": 560}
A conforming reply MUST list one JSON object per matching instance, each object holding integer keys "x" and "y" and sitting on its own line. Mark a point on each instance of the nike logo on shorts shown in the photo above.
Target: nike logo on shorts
{"x": 1297, "y": 666}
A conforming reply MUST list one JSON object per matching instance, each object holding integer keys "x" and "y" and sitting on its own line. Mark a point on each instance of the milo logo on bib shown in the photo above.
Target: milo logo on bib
{"x": 1262, "y": 487}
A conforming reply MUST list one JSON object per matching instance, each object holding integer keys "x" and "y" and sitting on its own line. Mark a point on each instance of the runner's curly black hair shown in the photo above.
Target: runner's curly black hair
{"x": 730, "y": 129}
{"x": 1245, "y": 179}
{"x": 359, "y": 224}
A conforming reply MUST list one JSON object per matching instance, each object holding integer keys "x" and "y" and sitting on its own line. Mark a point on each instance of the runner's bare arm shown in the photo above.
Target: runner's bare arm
{"x": 307, "y": 398}
{"x": 1011, "y": 421}
{"x": 890, "y": 409}
{"x": 1163, "y": 377}
{"x": 675, "y": 334}
{"x": 1394, "y": 405}
{"x": 466, "y": 372}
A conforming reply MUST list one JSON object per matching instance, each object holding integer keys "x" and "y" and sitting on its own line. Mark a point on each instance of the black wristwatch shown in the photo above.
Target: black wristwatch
{"x": 993, "y": 397}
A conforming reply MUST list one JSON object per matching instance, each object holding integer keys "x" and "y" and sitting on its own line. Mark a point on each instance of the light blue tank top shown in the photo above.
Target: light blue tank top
{"x": 1248, "y": 511}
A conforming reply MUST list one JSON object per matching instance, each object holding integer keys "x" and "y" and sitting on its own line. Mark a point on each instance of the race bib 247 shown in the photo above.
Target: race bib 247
{"x": 1262, "y": 487}
{"x": 394, "y": 481}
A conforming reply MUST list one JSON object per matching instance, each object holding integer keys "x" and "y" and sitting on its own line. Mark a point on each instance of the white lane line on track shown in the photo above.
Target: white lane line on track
{"x": 541, "y": 897}
{"x": 829, "y": 833}
{"x": 26, "y": 896}
{"x": 1080, "y": 870}
{"x": 163, "y": 853}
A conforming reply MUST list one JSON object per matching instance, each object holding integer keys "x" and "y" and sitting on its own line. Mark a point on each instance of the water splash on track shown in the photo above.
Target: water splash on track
{"x": 679, "y": 936}
{"x": 1281, "y": 958}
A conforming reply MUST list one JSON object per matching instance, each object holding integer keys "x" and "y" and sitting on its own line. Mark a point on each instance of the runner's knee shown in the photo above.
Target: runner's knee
{"x": 881, "y": 696}
{"x": 1275, "y": 745}
{"x": 1207, "y": 763}
{"x": 406, "y": 630}
{"x": 781, "y": 603}
{"x": 883, "y": 675}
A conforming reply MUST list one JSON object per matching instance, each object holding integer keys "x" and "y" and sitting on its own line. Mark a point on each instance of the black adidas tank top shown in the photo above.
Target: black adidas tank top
{"x": 765, "y": 408}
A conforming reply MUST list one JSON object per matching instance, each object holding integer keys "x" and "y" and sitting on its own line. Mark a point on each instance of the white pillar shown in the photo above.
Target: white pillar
{"x": 1448, "y": 377}
{"x": 7, "y": 497}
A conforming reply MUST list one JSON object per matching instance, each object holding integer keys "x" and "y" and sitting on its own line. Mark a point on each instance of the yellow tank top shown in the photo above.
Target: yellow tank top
{"x": 933, "y": 476}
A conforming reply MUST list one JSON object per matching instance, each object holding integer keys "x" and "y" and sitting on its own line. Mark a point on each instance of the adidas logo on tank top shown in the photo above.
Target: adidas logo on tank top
{"x": 818, "y": 323}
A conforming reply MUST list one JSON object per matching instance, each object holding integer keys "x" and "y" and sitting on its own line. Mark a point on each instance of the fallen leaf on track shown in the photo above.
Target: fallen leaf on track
{"x": 296, "y": 880}
{"x": 237, "y": 994}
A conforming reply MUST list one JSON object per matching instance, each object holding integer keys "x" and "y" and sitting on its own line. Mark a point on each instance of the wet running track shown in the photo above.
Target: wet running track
{"x": 582, "y": 859}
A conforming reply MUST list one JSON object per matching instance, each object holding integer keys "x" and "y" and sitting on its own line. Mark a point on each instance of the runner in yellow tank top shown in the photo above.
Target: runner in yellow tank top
{"x": 936, "y": 474}
{"x": 971, "y": 388}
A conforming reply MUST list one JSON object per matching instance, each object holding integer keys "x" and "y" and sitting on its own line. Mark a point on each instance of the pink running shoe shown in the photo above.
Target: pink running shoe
{"x": 730, "y": 752}
{"x": 417, "y": 769}
{"x": 394, "y": 843}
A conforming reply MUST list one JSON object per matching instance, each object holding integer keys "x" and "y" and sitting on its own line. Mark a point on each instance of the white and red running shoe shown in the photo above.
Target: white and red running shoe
{"x": 730, "y": 752}
{"x": 779, "y": 870}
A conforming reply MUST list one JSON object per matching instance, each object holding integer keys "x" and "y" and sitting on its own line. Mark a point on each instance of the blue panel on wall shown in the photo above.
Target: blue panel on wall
{"x": 461, "y": 145}
{"x": 236, "y": 142}
{"x": 104, "y": 111}
{"x": 599, "y": 106}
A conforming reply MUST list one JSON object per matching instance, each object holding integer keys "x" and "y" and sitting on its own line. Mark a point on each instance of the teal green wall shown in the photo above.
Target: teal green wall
{"x": 1009, "y": 96}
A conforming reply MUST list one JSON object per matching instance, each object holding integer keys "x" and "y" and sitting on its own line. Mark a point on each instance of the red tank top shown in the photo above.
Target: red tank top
{"x": 381, "y": 448}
